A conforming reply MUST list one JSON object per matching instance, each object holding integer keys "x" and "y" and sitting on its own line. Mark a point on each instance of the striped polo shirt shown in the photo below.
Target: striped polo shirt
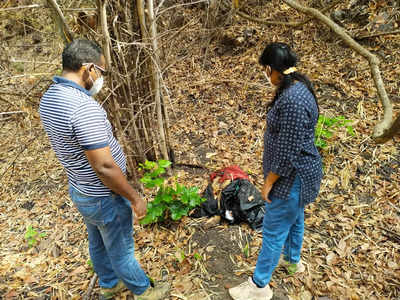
{"x": 75, "y": 122}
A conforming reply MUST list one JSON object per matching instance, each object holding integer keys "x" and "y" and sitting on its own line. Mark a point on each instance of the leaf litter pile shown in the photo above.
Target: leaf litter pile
{"x": 219, "y": 97}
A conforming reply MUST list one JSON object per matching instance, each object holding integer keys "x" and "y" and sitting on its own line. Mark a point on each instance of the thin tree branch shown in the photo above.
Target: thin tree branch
{"x": 382, "y": 131}
{"x": 62, "y": 24}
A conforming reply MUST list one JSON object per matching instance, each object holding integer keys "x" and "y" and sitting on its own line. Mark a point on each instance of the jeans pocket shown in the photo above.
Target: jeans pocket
{"x": 91, "y": 211}
{"x": 89, "y": 207}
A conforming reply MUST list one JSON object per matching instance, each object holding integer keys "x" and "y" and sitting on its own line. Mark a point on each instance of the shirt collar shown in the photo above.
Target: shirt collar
{"x": 67, "y": 82}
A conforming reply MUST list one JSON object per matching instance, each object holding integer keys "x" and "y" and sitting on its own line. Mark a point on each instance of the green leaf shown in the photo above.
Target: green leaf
{"x": 166, "y": 198}
{"x": 158, "y": 181}
{"x": 158, "y": 210}
{"x": 147, "y": 220}
{"x": 197, "y": 256}
{"x": 164, "y": 163}
{"x": 350, "y": 130}
{"x": 150, "y": 165}
{"x": 157, "y": 172}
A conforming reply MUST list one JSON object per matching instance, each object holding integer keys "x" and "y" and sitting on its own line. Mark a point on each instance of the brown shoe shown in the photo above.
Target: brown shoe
{"x": 158, "y": 292}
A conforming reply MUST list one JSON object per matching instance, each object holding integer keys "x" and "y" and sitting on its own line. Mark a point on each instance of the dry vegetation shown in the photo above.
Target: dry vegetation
{"x": 218, "y": 101}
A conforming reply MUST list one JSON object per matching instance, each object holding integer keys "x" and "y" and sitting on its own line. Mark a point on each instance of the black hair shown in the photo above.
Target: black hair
{"x": 280, "y": 57}
{"x": 80, "y": 51}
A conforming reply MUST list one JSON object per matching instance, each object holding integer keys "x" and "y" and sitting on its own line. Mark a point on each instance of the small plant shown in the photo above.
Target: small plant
{"x": 169, "y": 201}
{"x": 32, "y": 236}
{"x": 90, "y": 264}
{"x": 326, "y": 127}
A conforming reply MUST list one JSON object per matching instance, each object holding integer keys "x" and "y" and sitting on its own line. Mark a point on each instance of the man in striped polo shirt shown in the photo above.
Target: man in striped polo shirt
{"x": 82, "y": 138}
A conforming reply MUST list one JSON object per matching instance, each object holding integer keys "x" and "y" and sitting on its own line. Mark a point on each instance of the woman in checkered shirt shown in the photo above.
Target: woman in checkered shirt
{"x": 292, "y": 170}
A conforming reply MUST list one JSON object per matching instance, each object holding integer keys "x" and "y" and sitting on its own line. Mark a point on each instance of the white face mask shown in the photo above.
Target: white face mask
{"x": 97, "y": 85}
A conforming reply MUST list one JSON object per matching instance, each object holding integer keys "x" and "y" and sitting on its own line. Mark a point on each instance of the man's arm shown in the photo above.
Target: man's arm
{"x": 111, "y": 175}
{"x": 268, "y": 183}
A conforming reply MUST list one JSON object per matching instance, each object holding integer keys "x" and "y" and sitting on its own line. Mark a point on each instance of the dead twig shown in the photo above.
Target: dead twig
{"x": 367, "y": 36}
{"x": 11, "y": 112}
{"x": 90, "y": 288}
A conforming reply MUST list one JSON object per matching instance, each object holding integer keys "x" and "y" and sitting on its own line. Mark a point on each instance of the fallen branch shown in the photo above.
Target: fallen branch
{"x": 90, "y": 288}
{"x": 367, "y": 36}
{"x": 293, "y": 24}
{"x": 385, "y": 129}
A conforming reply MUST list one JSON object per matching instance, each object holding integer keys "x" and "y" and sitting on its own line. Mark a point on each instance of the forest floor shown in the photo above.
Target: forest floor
{"x": 218, "y": 105}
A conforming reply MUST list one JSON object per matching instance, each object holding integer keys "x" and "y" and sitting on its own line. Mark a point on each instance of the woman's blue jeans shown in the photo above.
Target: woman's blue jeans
{"x": 283, "y": 227}
{"x": 109, "y": 225}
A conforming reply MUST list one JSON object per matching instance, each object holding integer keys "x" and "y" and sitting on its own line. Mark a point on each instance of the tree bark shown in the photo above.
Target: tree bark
{"x": 102, "y": 11}
{"x": 383, "y": 131}
{"x": 156, "y": 72}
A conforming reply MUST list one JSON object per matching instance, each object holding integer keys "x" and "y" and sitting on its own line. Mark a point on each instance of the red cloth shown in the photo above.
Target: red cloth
{"x": 231, "y": 173}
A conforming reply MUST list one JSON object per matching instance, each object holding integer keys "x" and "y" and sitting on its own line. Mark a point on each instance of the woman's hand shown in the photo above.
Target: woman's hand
{"x": 267, "y": 186}
{"x": 265, "y": 192}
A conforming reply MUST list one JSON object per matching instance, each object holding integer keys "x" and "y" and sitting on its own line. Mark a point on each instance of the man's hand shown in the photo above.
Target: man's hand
{"x": 139, "y": 206}
{"x": 111, "y": 175}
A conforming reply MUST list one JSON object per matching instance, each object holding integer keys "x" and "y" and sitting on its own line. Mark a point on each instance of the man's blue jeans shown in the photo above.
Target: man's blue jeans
{"x": 109, "y": 225}
{"x": 283, "y": 227}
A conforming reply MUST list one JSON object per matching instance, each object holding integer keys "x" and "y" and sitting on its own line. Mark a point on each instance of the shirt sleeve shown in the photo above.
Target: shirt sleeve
{"x": 89, "y": 126}
{"x": 290, "y": 136}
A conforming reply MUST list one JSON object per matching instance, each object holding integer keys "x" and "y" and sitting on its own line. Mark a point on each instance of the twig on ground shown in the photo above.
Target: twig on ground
{"x": 11, "y": 112}
{"x": 90, "y": 288}
{"x": 366, "y": 36}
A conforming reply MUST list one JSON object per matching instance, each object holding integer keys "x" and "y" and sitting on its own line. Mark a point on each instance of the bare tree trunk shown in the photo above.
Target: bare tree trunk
{"x": 156, "y": 72}
{"x": 383, "y": 131}
{"x": 102, "y": 11}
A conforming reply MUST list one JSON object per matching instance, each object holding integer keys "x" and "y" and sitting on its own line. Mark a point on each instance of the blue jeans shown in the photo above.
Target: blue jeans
{"x": 109, "y": 225}
{"x": 283, "y": 227}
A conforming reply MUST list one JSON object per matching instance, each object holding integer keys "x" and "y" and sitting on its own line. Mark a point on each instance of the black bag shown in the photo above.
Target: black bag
{"x": 240, "y": 202}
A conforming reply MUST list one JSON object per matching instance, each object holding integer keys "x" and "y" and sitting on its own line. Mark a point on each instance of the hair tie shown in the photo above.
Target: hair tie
{"x": 289, "y": 71}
